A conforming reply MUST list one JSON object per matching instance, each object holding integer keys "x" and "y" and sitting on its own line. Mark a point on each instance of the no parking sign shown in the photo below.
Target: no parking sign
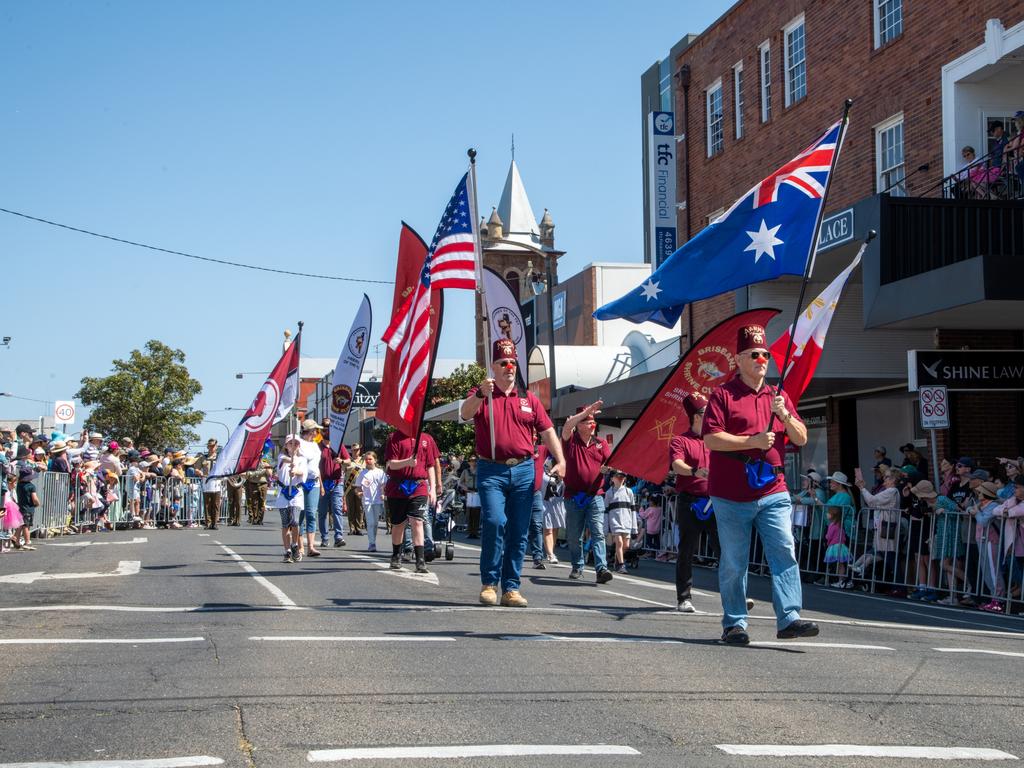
{"x": 934, "y": 403}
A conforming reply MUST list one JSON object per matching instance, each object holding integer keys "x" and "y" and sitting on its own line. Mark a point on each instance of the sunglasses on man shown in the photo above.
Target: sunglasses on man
{"x": 759, "y": 356}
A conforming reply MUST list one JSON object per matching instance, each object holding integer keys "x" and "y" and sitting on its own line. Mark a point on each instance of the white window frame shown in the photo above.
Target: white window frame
{"x": 876, "y": 12}
{"x": 764, "y": 74}
{"x": 714, "y": 216}
{"x": 715, "y": 86}
{"x": 880, "y": 171}
{"x": 786, "y": 32}
{"x": 737, "y": 98}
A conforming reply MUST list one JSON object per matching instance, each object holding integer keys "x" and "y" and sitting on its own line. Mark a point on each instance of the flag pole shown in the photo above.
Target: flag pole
{"x": 478, "y": 269}
{"x": 809, "y": 268}
{"x": 295, "y": 408}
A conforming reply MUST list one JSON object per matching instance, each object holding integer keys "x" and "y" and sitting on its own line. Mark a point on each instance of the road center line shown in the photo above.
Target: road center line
{"x": 801, "y": 644}
{"x": 282, "y": 598}
{"x": 980, "y": 650}
{"x": 638, "y": 599}
{"x": 92, "y": 543}
{"x": 98, "y": 641}
{"x": 861, "y": 750}
{"x": 357, "y": 638}
{"x": 465, "y": 750}
{"x": 564, "y": 639}
{"x": 160, "y": 762}
{"x": 947, "y": 618}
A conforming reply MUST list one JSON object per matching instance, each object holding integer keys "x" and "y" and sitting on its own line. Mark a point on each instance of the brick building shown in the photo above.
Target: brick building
{"x": 926, "y": 78}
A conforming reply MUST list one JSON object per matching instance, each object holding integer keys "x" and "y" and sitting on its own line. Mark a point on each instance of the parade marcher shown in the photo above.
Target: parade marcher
{"x": 291, "y": 475}
{"x": 623, "y": 523}
{"x": 690, "y": 458}
{"x": 235, "y": 485}
{"x": 410, "y": 488}
{"x": 353, "y": 503}
{"x": 585, "y": 457}
{"x": 212, "y": 487}
{"x": 332, "y": 475}
{"x": 256, "y": 482}
{"x": 467, "y": 482}
{"x": 311, "y": 486}
{"x": 744, "y": 425}
{"x": 505, "y": 477}
{"x": 371, "y": 491}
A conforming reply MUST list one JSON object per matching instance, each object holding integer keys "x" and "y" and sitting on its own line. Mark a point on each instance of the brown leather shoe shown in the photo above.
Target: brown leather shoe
{"x": 489, "y": 594}
{"x": 512, "y": 599}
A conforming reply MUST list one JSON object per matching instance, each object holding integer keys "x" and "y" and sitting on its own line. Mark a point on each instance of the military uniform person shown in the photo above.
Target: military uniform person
{"x": 235, "y": 484}
{"x": 256, "y": 493}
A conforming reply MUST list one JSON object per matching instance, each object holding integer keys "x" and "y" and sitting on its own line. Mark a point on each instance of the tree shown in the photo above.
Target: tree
{"x": 453, "y": 437}
{"x": 148, "y": 398}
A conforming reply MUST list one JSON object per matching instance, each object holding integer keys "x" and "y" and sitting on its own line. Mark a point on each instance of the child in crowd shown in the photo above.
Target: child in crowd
{"x": 622, "y": 519}
{"x": 12, "y": 521}
{"x": 28, "y": 500}
{"x": 370, "y": 485}
{"x": 291, "y": 474}
{"x": 837, "y": 551}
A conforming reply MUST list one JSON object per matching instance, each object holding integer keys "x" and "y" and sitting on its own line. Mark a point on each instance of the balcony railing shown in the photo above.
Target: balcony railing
{"x": 998, "y": 175}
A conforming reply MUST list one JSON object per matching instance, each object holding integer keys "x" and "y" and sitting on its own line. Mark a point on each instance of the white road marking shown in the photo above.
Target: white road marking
{"x": 124, "y": 568}
{"x": 160, "y": 762}
{"x": 563, "y": 639}
{"x": 282, "y": 598}
{"x": 801, "y": 644}
{"x": 203, "y": 534}
{"x": 92, "y": 543}
{"x": 146, "y": 608}
{"x": 358, "y": 638}
{"x": 466, "y": 750}
{"x": 933, "y": 606}
{"x": 429, "y": 578}
{"x": 948, "y": 618}
{"x": 98, "y": 641}
{"x": 861, "y": 750}
{"x": 638, "y": 599}
{"x": 980, "y": 650}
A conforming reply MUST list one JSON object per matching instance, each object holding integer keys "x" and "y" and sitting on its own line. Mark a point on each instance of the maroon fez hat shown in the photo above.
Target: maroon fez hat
{"x": 751, "y": 337}
{"x": 503, "y": 349}
{"x": 694, "y": 403}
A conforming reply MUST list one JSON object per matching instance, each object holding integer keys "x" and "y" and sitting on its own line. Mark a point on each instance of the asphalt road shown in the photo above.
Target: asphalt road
{"x": 204, "y": 647}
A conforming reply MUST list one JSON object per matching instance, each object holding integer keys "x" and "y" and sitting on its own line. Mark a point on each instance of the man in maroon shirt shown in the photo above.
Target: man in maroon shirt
{"x": 332, "y": 474}
{"x": 689, "y": 458}
{"x": 410, "y": 488}
{"x": 505, "y": 476}
{"x": 745, "y": 423}
{"x": 585, "y": 457}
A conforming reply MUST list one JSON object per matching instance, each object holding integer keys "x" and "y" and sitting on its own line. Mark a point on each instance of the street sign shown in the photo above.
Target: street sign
{"x": 64, "y": 412}
{"x": 934, "y": 403}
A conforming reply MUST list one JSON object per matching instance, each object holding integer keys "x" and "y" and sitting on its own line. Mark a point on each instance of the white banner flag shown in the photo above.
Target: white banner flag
{"x": 506, "y": 318}
{"x": 347, "y": 372}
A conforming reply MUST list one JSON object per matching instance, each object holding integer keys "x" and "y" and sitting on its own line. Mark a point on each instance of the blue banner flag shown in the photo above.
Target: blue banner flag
{"x": 766, "y": 233}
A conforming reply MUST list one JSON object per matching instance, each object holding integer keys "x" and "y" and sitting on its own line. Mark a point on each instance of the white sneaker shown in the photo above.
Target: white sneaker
{"x": 553, "y": 560}
{"x": 750, "y": 604}
{"x": 839, "y": 583}
{"x": 685, "y": 606}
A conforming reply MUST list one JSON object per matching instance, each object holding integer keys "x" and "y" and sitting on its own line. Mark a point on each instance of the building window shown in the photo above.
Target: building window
{"x": 889, "y": 156}
{"x": 715, "y": 119}
{"x": 737, "y": 97}
{"x": 714, "y": 216}
{"x": 888, "y": 20}
{"x": 795, "y": 51}
{"x": 665, "y": 84}
{"x": 765, "y": 57}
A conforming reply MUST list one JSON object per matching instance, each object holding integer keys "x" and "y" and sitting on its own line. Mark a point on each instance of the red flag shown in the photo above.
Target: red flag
{"x": 272, "y": 403}
{"x": 710, "y": 362}
{"x": 412, "y": 252}
{"x": 810, "y": 336}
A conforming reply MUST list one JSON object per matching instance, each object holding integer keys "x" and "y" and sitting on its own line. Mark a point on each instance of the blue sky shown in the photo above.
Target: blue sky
{"x": 291, "y": 135}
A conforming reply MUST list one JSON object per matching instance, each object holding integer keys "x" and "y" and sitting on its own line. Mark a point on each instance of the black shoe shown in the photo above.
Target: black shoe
{"x": 421, "y": 567}
{"x": 604, "y": 576}
{"x": 339, "y": 542}
{"x": 539, "y": 565}
{"x": 798, "y": 628}
{"x": 575, "y": 574}
{"x": 396, "y": 565}
{"x": 736, "y": 636}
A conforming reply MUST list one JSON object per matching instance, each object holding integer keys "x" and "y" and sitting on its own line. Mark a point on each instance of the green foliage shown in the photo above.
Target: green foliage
{"x": 148, "y": 398}
{"x": 452, "y": 437}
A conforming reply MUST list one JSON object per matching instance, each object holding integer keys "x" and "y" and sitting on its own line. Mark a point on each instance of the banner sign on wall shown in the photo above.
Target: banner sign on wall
{"x": 661, "y": 177}
{"x": 966, "y": 370}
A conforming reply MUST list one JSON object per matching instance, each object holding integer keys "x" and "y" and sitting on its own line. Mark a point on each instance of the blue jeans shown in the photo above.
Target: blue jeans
{"x": 771, "y": 516}
{"x": 578, "y": 518}
{"x": 310, "y": 502}
{"x": 506, "y": 501}
{"x": 331, "y": 502}
{"x": 535, "y": 540}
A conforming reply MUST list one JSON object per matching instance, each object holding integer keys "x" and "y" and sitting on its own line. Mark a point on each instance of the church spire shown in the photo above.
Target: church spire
{"x": 515, "y": 211}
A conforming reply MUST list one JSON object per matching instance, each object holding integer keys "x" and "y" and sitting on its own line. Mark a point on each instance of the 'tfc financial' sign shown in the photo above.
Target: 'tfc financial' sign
{"x": 661, "y": 176}
{"x": 966, "y": 370}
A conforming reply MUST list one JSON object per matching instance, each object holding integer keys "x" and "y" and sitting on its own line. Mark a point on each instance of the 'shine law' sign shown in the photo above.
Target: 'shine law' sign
{"x": 965, "y": 370}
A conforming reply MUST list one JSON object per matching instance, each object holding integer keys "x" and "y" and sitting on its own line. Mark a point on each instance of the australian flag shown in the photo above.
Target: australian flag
{"x": 766, "y": 233}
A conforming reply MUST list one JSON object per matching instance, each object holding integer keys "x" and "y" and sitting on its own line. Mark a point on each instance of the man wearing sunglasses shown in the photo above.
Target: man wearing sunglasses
{"x": 505, "y": 477}
{"x": 744, "y": 425}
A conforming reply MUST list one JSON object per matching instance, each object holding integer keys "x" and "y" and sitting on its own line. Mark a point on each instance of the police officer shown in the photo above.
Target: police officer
{"x": 505, "y": 476}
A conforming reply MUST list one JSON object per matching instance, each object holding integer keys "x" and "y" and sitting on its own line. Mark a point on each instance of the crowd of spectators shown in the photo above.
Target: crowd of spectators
{"x": 997, "y": 174}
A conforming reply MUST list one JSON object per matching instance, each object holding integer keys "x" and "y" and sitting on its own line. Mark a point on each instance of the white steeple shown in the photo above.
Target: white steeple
{"x": 515, "y": 211}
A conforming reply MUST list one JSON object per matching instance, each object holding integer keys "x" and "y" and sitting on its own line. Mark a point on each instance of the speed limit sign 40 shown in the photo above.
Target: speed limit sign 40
{"x": 64, "y": 412}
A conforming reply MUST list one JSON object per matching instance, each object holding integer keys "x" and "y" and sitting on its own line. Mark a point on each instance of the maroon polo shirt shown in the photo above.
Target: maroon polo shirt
{"x": 691, "y": 449}
{"x": 330, "y": 463}
{"x": 737, "y": 409}
{"x": 400, "y": 446}
{"x": 516, "y": 420}
{"x": 583, "y": 464}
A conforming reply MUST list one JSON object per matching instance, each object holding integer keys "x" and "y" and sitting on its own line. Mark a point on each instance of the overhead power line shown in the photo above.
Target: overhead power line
{"x": 192, "y": 255}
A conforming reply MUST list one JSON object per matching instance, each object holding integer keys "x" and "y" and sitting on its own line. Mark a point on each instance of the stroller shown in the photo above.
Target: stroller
{"x": 442, "y": 518}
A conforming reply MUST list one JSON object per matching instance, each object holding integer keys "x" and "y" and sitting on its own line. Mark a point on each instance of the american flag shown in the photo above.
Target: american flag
{"x": 450, "y": 263}
{"x": 816, "y": 159}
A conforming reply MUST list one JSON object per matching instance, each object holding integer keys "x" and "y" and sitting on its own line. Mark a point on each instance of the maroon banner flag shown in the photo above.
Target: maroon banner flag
{"x": 412, "y": 252}
{"x": 709, "y": 363}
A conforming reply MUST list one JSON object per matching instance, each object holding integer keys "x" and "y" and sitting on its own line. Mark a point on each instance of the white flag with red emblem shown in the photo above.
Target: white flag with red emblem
{"x": 809, "y": 340}
{"x": 272, "y": 403}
